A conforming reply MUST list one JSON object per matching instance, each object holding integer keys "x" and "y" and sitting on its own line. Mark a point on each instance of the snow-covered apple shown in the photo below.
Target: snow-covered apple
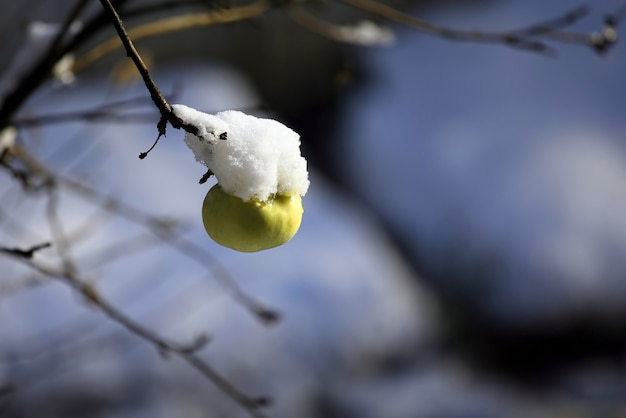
{"x": 261, "y": 176}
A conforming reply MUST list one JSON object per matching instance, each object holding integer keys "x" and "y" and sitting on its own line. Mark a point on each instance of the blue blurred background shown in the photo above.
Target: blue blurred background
{"x": 461, "y": 254}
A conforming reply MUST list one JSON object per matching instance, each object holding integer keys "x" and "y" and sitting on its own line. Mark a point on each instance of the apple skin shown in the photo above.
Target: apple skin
{"x": 252, "y": 225}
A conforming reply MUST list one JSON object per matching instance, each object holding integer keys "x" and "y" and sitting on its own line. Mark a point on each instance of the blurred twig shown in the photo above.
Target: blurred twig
{"x": 172, "y": 24}
{"x": 186, "y": 352}
{"x": 114, "y": 111}
{"x": 42, "y": 69}
{"x": 68, "y": 274}
{"x": 73, "y": 16}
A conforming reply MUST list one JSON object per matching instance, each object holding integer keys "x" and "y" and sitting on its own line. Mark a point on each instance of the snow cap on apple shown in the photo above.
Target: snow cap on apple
{"x": 251, "y": 158}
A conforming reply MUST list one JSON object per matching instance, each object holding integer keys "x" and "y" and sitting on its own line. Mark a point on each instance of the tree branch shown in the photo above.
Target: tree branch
{"x": 521, "y": 38}
{"x": 68, "y": 274}
{"x": 185, "y": 352}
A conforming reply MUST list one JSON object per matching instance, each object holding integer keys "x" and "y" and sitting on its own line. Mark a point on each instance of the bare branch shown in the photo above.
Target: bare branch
{"x": 185, "y": 352}
{"x": 68, "y": 275}
{"x": 162, "y": 229}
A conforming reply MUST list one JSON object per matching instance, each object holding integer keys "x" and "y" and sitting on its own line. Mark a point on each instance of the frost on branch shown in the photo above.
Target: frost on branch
{"x": 252, "y": 158}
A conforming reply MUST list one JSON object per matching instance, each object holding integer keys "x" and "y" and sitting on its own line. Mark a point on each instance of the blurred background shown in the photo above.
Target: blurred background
{"x": 462, "y": 252}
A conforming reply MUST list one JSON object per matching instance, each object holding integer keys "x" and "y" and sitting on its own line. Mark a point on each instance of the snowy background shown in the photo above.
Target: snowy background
{"x": 465, "y": 260}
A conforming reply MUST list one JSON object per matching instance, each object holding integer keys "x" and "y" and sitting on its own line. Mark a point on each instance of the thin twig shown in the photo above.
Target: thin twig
{"x": 155, "y": 94}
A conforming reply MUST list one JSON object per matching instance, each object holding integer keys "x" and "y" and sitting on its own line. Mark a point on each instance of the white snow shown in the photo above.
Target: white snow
{"x": 251, "y": 157}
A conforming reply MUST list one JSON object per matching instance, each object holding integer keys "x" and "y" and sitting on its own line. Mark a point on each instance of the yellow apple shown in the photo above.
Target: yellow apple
{"x": 251, "y": 225}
